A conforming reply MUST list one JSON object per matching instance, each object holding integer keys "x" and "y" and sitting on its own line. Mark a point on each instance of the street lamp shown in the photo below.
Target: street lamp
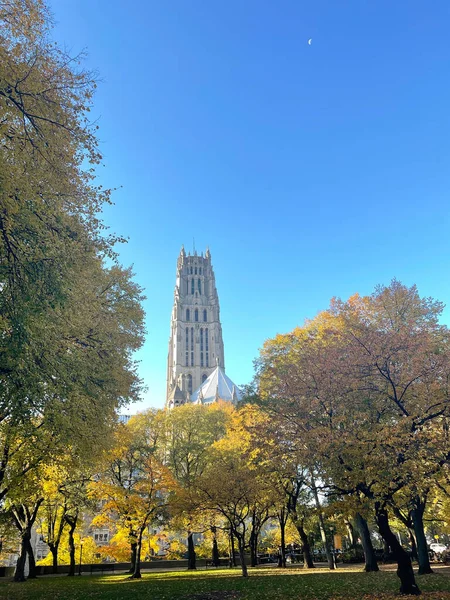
{"x": 81, "y": 555}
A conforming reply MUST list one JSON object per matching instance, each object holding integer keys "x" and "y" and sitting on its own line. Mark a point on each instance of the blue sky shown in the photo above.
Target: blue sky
{"x": 311, "y": 171}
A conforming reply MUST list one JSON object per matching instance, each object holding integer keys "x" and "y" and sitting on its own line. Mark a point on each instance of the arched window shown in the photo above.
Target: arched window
{"x": 205, "y": 316}
{"x": 188, "y": 315}
{"x": 204, "y": 377}
{"x": 190, "y": 270}
{"x": 196, "y": 315}
{"x": 192, "y": 346}
{"x": 192, "y": 285}
{"x": 196, "y": 270}
{"x": 189, "y": 382}
{"x": 201, "y": 347}
{"x": 199, "y": 270}
{"x": 199, "y": 285}
{"x": 187, "y": 346}
{"x": 207, "y": 347}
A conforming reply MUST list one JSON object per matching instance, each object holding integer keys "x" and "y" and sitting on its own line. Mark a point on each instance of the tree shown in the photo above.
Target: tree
{"x": 135, "y": 487}
{"x": 189, "y": 432}
{"x": 364, "y": 385}
{"x": 68, "y": 324}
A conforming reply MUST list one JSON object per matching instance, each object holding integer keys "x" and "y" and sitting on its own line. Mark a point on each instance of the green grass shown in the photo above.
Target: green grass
{"x": 262, "y": 584}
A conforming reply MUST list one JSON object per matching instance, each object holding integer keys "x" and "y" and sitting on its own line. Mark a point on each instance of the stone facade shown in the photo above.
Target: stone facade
{"x": 195, "y": 343}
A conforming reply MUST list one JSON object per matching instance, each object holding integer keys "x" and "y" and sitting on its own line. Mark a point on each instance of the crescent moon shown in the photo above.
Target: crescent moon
{"x": 309, "y": 41}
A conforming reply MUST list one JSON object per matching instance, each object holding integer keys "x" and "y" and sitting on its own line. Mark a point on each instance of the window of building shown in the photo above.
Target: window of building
{"x": 205, "y": 316}
{"x": 204, "y": 377}
{"x": 192, "y": 346}
{"x": 188, "y": 315}
{"x": 196, "y": 270}
{"x": 199, "y": 270}
{"x": 196, "y": 315}
{"x": 190, "y": 271}
{"x": 199, "y": 285}
{"x": 192, "y": 285}
{"x": 189, "y": 377}
{"x": 201, "y": 347}
{"x": 207, "y": 347}
{"x": 187, "y": 346}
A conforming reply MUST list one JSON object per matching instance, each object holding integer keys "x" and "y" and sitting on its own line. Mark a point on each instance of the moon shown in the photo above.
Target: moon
{"x": 309, "y": 41}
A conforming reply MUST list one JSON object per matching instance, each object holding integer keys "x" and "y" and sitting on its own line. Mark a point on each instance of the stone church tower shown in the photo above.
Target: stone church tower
{"x": 195, "y": 343}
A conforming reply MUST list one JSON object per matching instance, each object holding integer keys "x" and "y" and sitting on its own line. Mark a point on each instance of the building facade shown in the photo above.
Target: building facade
{"x": 195, "y": 343}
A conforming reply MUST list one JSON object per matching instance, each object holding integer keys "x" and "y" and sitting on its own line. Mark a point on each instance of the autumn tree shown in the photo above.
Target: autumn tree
{"x": 189, "y": 432}
{"x": 68, "y": 323}
{"x": 135, "y": 486}
{"x": 366, "y": 386}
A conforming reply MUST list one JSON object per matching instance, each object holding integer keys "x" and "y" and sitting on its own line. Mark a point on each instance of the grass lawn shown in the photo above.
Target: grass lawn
{"x": 263, "y": 584}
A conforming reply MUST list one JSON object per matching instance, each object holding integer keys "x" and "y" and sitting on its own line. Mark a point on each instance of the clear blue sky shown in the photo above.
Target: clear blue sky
{"x": 311, "y": 171}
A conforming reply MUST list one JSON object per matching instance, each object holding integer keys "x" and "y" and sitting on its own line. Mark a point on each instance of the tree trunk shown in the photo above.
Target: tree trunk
{"x": 32, "y": 570}
{"x": 72, "y": 565}
{"x": 422, "y": 547}
{"x": 233, "y": 551}
{"x": 253, "y": 552}
{"x": 404, "y": 567}
{"x": 306, "y": 548}
{"x": 369, "y": 553}
{"x": 137, "y": 563}
{"x": 412, "y": 540}
{"x": 192, "y": 565}
{"x": 133, "y": 557}
{"x": 282, "y": 522}
{"x": 323, "y": 535}
{"x": 241, "y": 544}
{"x": 19, "y": 573}
{"x": 54, "y": 551}
{"x": 215, "y": 552}
{"x": 351, "y": 534}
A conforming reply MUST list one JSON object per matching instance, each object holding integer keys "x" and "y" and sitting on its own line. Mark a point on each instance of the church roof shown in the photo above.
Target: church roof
{"x": 217, "y": 387}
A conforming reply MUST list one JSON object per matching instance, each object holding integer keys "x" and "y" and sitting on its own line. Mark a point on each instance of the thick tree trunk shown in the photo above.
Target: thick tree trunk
{"x": 233, "y": 550}
{"x": 32, "y": 570}
{"x": 71, "y": 572}
{"x": 404, "y": 567}
{"x": 253, "y": 553}
{"x": 412, "y": 541}
{"x": 19, "y": 573}
{"x": 241, "y": 544}
{"x": 133, "y": 557}
{"x": 215, "y": 552}
{"x": 54, "y": 551}
{"x": 282, "y": 562}
{"x": 369, "y": 553}
{"x": 306, "y": 548}
{"x": 351, "y": 534}
{"x": 137, "y": 563}
{"x": 192, "y": 564}
{"x": 323, "y": 535}
{"x": 422, "y": 547}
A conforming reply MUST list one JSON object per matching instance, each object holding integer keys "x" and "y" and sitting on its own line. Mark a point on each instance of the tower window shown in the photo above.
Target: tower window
{"x": 192, "y": 346}
{"x": 189, "y": 378}
{"x": 196, "y": 315}
{"x": 204, "y": 377}
{"x": 199, "y": 284}
{"x": 201, "y": 347}
{"x": 192, "y": 286}
{"x": 205, "y": 315}
{"x": 206, "y": 347}
{"x": 196, "y": 270}
{"x": 188, "y": 315}
{"x": 199, "y": 270}
{"x": 190, "y": 271}
{"x": 187, "y": 347}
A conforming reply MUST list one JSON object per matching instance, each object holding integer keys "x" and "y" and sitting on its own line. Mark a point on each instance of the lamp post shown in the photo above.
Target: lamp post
{"x": 81, "y": 555}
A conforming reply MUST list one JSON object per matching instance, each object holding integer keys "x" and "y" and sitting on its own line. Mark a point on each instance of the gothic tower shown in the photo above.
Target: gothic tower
{"x": 195, "y": 343}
